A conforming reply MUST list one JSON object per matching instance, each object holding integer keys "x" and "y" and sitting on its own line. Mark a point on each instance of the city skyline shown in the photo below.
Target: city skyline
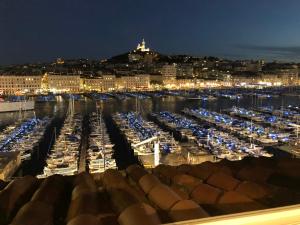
{"x": 35, "y": 31}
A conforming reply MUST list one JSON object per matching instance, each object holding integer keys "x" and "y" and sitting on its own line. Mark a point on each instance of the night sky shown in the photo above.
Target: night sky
{"x": 42, "y": 30}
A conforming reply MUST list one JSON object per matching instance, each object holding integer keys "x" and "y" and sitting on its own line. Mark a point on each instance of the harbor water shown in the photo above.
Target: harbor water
{"x": 85, "y": 106}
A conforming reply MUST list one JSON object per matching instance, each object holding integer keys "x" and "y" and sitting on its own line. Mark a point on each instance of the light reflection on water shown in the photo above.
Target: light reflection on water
{"x": 144, "y": 106}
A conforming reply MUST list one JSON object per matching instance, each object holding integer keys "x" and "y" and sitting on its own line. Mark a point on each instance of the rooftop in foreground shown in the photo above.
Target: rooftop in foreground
{"x": 207, "y": 193}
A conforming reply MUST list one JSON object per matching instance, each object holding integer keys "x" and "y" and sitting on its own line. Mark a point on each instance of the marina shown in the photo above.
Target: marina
{"x": 150, "y": 143}
{"x": 64, "y": 156}
{"x": 245, "y": 129}
{"x": 100, "y": 153}
{"x": 23, "y": 136}
{"x": 181, "y": 143}
{"x": 210, "y": 140}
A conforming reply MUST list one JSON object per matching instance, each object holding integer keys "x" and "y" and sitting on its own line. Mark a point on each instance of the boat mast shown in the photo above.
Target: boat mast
{"x": 102, "y": 137}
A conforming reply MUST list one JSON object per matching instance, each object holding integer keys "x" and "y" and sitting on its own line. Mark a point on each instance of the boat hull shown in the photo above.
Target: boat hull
{"x": 16, "y": 106}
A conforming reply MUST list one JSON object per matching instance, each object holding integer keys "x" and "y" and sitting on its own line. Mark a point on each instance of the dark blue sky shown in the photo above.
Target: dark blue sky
{"x": 41, "y": 30}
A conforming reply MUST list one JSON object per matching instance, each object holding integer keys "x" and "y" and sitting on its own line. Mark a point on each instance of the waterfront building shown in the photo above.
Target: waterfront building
{"x": 136, "y": 82}
{"x": 18, "y": 84}
{"x": 92, "y": 84}
{"x": 186, "y": 83}
{"x": 281, "y": 76}
{"x": 169, "y": 75}
{"x": 108, "y": 83}
{"x": 185, "y": 70}
{"x": 63, "y": 83}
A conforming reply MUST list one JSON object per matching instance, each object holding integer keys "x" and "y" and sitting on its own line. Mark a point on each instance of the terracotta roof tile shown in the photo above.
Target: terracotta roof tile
{"x": 87, "y": 203}
{"x": 15, "y": 195}
{"x": 136, "y": 195}
{"x": 203, "y": 170}
{"x": 43, "y": 214}
{"x": 85, "y": 219}
{"x": 166, "y": 170}
{"x": 184, "y": 168}
{"x": 234, "y": 202}
{"x": 223, "y": 181}
{"x": 163, "y": 196}
{"x": 135, "y": 172}
{"x": 138, "y": 214}
{"x": 206, "y": 194}
{"x": 186, "y": 181}
{"x": 255, "y": 173}
{"x": 51, "y": 190}
{"x": 180, "y": 191}
{"x": 186, "y": 210}
{"x": 289, "y": 168}
{"x": 253, "y": 190}
{"x": 147, "y": 182}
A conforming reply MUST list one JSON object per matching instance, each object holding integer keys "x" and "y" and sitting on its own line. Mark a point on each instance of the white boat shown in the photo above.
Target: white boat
{"x": 16, "y": 106}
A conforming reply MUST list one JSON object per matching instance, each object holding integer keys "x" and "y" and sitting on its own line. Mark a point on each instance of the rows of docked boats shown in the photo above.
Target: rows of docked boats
{"x": 63, "y": 157}
{"x": 291, "y": 113}
{"x": 239, "y": 127}
{"x": 138, "y": 130}
{"x": 216, "y": 142}
{"x": 273, "y": 119}
{"x": 100, "y": 150}
{"x": 24, "y": 136}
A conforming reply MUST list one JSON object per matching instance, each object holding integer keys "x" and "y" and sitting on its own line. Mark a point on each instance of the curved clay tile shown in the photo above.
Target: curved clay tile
{"x": 98, "y": 178}
{"x": 113, "y": 179}
{"x": 223, "y": 181}
{"x": 255, "y": 173}
{"x": 86, "y": 219}
{"x": 139, "y": 214}
{"x": 135, "y": 172}
{"x": 15, "y": 195}
{"x": 50, "y": 191}
{"x": 147, "y": 182}
{"x": 184, "y": 168}
{"x": 87, "y": 203}
{"x": 165, "y": 170}
{"x": 107, "y": 219}
{"x": 187, "y": 210}
{"x": 163, "y": 196}
{"x": 186, "y": 181}
{"x": 289, "y": 167}
{"x": 83, "y": 189}
{"x": 264, "y": 162}
{"x": 234, "y": 202}
{"x": 206, "y": 194}
{"x": 212, "y": 166}
{"x": 253, "y": 190}
{"x": 235, "y": 166}
{"x": 121, "y": 199}
{"x": 34, "y": 213}
{"x": 180, "y": 191}
{"x": 85, "y": 179}
{"x": 200, "y": 172}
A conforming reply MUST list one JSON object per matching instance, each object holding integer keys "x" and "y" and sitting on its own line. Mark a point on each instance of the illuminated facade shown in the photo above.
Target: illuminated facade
{"x": 142, "y": 47}
{"x": 63, "y": 83}
{"x": 136, "y": 82}
{"x": 108, "y": 83}
{"x": 92, "y": 84}
{"x": 19, "y": 85}
{"x": 168, "y": 73}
